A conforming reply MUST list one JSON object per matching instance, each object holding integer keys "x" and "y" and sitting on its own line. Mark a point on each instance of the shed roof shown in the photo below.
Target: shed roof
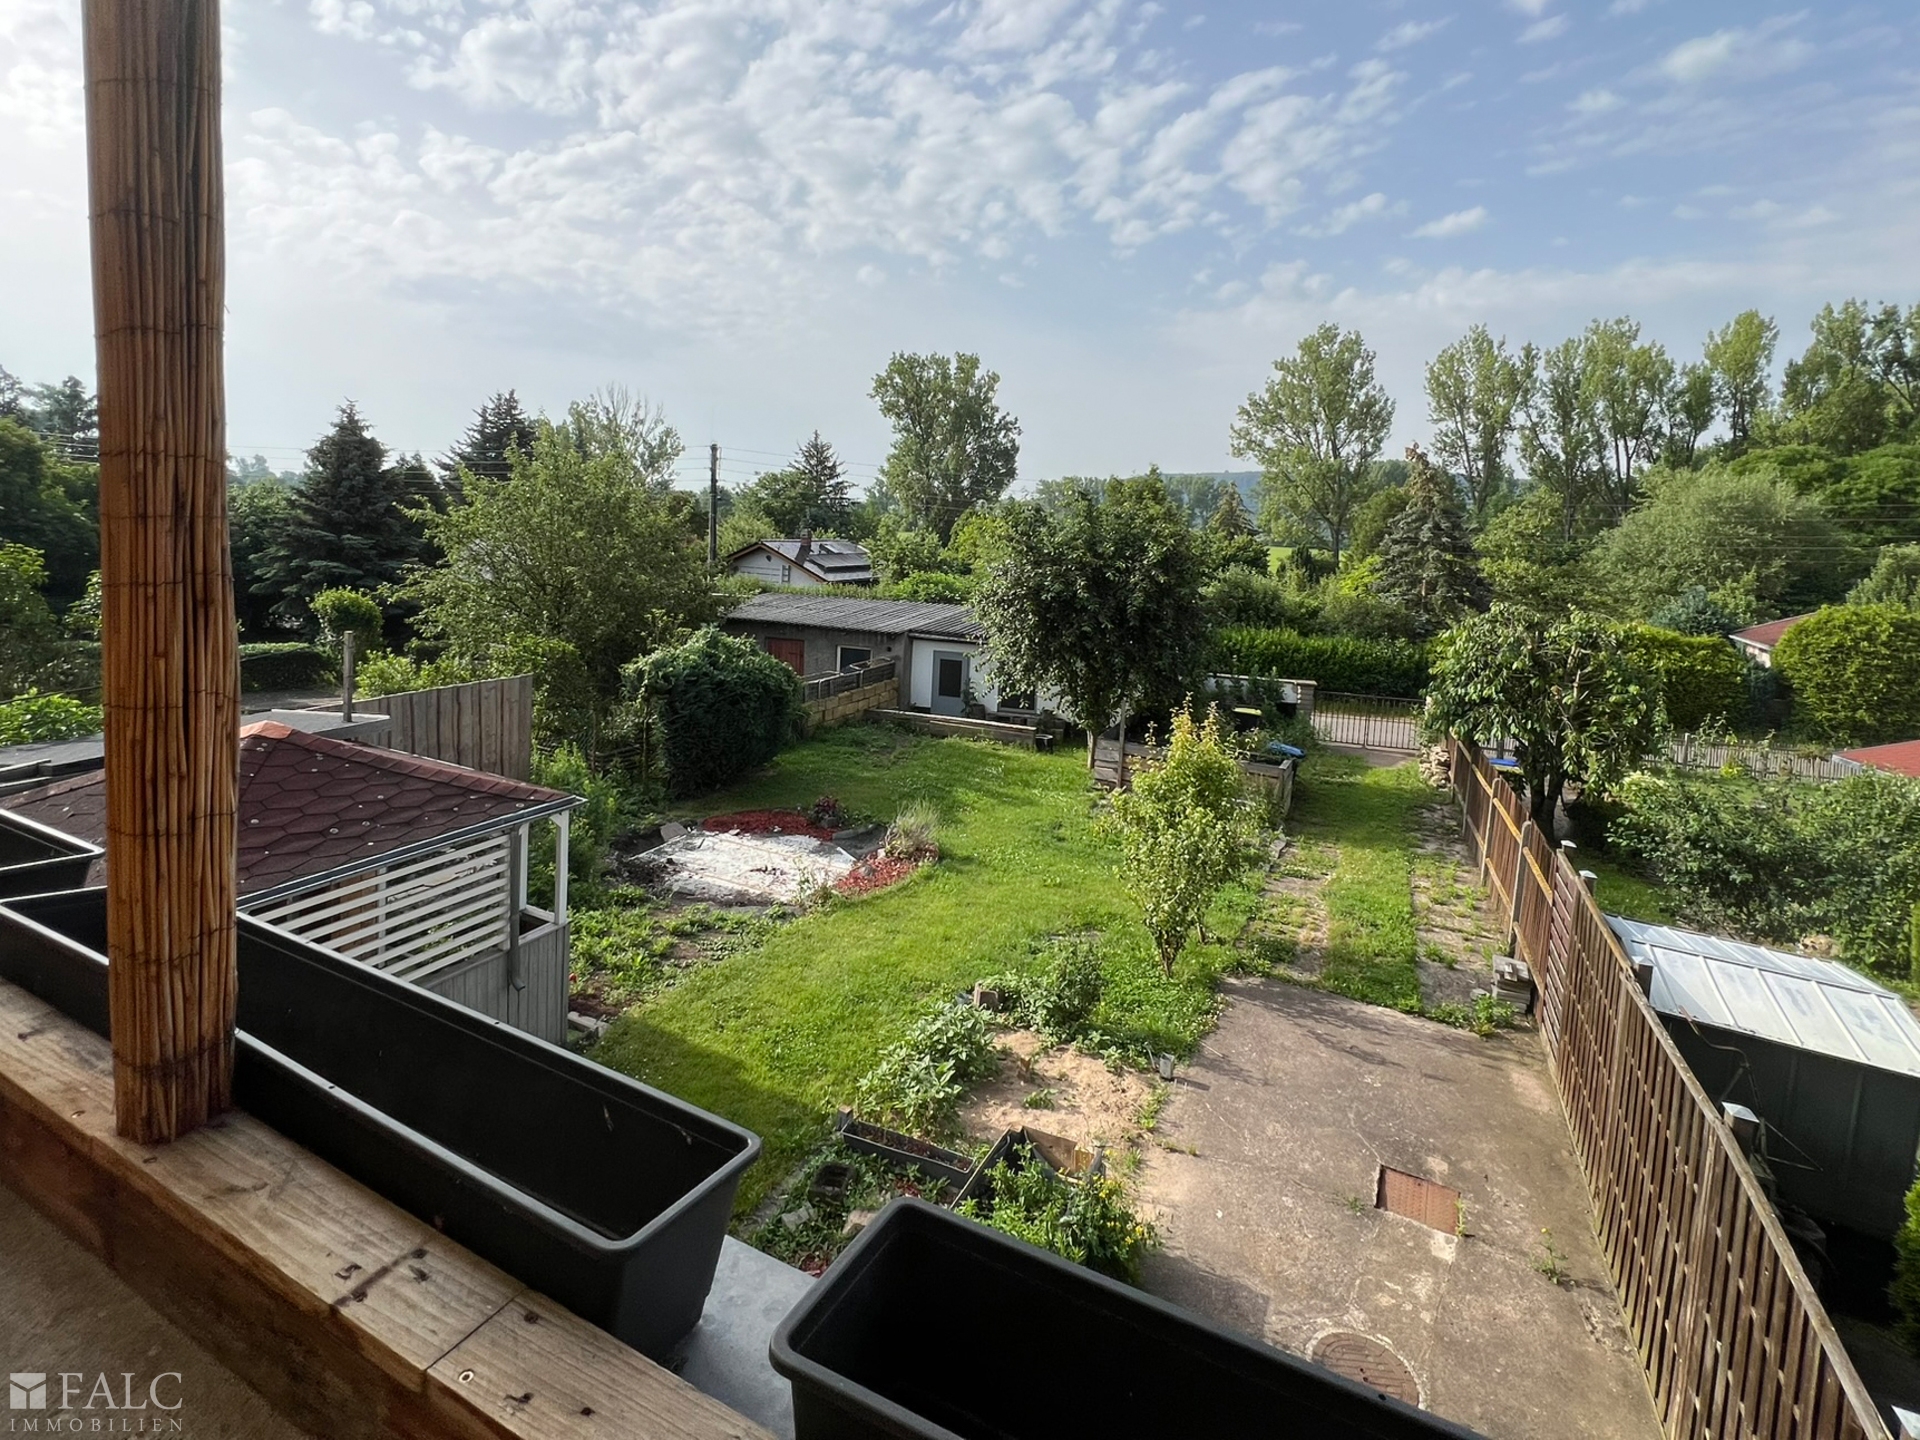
{"x": 1902, "y": 757}
{"x": 878, "y": 617}
{"x": 1765, "y": 637}
{"x": 1795, "y": 1000}
{"x": 311, "y": 806}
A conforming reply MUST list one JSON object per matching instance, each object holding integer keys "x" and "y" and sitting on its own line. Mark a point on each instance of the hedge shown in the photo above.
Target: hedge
{"x": 1702, "y": 677}
{"x": 1854, "y": 671}
{"x": 1340, "y": 663}
{"x": 289, "y": 666}
{"x": 723, "y": 705}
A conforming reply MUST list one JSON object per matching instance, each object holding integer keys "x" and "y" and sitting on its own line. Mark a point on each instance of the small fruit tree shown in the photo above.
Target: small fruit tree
{"x": 1186, "y": 828}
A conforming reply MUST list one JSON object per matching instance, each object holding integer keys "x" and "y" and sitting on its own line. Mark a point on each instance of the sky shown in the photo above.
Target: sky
{"x": 741, "y": 208}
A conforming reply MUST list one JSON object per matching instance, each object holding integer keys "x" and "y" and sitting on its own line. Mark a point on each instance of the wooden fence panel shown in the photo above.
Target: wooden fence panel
{"x": 1732, "y": 1337}
{"x": 484, "y": 724}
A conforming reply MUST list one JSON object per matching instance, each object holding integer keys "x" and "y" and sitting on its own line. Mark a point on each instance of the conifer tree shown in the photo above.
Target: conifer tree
{"x": 499, "y": 426}
{"x": 827, "y": 479}
{"x": 1427, "y": 562}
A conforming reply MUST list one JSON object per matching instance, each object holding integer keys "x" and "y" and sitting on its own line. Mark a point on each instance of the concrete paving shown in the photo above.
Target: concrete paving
{"x": 726, "y": 1355}
{"x": 1265, "y": 1176}
{"x": 62, "y": 1309}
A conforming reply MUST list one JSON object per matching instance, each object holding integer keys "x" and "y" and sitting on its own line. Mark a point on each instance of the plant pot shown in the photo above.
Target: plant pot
{"x": 903, "y": 1152}
{"x": 35, "y": 859}
{"x": 870, "y": 1359}
{"x": 607, "y": 1195}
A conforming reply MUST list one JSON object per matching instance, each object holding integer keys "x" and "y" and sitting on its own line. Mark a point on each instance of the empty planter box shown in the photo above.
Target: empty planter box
{"x": 922, "y": 1327}
{"x": 592, "y": 1188}
{"x": 34, "y": 858}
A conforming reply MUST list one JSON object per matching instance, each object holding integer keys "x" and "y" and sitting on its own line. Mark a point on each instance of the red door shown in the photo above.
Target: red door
{"x": 793, "y": 652}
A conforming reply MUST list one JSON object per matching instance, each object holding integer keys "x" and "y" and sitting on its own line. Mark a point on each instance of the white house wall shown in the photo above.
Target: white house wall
{"x": 920, "y": 672}
{"x": 765, "y": 565}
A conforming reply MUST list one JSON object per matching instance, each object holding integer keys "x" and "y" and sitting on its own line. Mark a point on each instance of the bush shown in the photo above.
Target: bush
{"x": 722, "y": 705}
{"x": 286, "y": 666}
{"x": 1088, "y": 1222}
{"x": 592, "y": 830}
{"x": 917, "y": 1084}
{"x": 1340, "y": 663}
{"x": 1702, "y": 677}
{"x": 1855, "y": 672}
{"x": 390, "y": 674}
{"x": 1244, "y": 598}
{"x": 931, "y": 587}
{"x": 33, "y": 718}
{"x": 1060, "y": 1001}
{"x": 1904, "y": 1292}
{"x": 341, "y": 612}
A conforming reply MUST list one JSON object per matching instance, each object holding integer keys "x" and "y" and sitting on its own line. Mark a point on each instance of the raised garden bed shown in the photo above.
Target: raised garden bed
{"x": 903, "y": 1152}
{"x": 876, "y": 872}
{"x": 870, "y": 1359}
{"x": 1022, "y": 1146}
{"x": 609, "y": 1196}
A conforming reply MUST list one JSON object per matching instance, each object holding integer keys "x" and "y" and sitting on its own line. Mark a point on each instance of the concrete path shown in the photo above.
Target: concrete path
{"x": 1264, "y": 1179}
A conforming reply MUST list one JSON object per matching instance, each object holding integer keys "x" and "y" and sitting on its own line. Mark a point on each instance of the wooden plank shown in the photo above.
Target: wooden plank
{"x": 338, "y": 1307}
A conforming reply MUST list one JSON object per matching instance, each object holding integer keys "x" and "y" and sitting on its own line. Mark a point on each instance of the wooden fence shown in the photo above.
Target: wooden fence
{"x": 1733, "y": 1338}
{"x": 484, "y": 725}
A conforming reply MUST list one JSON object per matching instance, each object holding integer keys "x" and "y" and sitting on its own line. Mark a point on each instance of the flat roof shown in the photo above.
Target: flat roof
{"x": 878, "y": 617}
{"x": 1817, "y": 1005}
{"x": 310, "y": 805}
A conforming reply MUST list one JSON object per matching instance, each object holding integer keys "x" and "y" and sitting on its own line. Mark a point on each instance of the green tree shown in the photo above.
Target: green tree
{"x": 30, "y": 639}
{"x": 500, "y": 426}
{"x": 68, "y": 416}
{"x": 1569, "y": 689}
{"x": 1232, "y": 540}
{"x": 615, "y": 427}
{"x": 257, "y": 517}
{"x": 1855, "y": 672}
{"x": 1186, "y": 829}
{"x": 40, "y": 507}
{"x": 953, "y": 446}
{"x": 348, "y": 524}
{"x": 1894, "y": 580}
{"x": 1529, "y": 559}
{"x": 1855, "y": 386}
{"x": 1630, "y": 385}
{"x": 1315, "y": 430}
{"x": 1097, "y": 602}
{"x": 1694, "y": 611}
{"x": 1475, "y": 389}
{"x": 1427, "y": 564}
{"x": 1690, "y": 407}
{"x": 1559, "y": 430}
{"x": 1703, "y": 680}
{"x": 808, "y": 496}
{"x": 1740, "y": 356}
{"x": 1747, "y": 535}
{"x": 574, "y": 548}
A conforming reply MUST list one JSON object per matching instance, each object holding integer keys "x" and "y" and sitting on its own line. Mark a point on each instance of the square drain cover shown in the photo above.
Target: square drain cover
{"x": 1418, "y": 1198}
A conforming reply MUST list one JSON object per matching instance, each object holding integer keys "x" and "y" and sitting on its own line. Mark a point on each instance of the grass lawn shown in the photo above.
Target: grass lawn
{"x": 1364, "y": 815}
{"x": 778, "y": 1033}
{"x": 1622, "y": 892}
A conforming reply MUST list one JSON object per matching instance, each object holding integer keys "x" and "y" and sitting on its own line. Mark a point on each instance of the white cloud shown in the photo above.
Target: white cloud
{"x": 1529, "y": 7}
{"x": 1460, "y": 222}
{"x": 1411, "y": 32}
{"x": 1737, "y": 54}
{"x": 1595, "y": 102}
{"x": 1545, "y": 29}
{"x": 40, "y": 86}
{"x": 1369, "y": 207}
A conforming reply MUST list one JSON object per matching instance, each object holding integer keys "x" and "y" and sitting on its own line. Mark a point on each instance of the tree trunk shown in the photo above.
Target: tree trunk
{"x": 1544, "y": 804}
{"x": 169, "y": 668}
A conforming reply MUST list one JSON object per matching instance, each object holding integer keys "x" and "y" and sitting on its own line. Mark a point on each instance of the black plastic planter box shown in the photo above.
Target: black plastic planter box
{"x": 916, "y": 1329}
{"x": 902, "y": 1151}
{"x": 594, "y": 1189}
{"x": 34, "y": 858}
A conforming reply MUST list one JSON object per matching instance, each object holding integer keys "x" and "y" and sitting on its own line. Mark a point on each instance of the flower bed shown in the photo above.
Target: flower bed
{"x": 766, "y": 822}
{"x": 876, "y": 872}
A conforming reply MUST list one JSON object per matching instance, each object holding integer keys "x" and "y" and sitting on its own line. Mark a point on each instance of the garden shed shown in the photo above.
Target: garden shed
{"x": 411, "y": 866}
{"x": 1827, "y": 1059}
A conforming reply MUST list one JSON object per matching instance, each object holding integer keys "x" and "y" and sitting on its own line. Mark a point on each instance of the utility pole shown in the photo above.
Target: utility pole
{"x": 170, "y": 678}
{"x": 713, "y": 503}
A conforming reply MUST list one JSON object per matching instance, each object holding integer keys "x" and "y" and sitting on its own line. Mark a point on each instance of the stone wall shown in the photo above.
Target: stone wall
{"x": 850, "y": 704}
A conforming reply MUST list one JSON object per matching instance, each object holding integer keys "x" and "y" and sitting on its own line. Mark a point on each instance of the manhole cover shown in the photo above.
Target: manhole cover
{"x": 1367, "y": 1361}
{"x": 1418, "y": 1198}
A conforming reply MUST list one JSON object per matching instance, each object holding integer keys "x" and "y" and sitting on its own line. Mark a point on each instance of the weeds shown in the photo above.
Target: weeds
{"x": 1552, "y": 1261}
{"x": 917, "y": 1083}
{"x": 1089, "y": 1221}
{"x": 1483, "y": 1017}
{"x": 914, "y": 832}
{"x": 1041, "y": 1099}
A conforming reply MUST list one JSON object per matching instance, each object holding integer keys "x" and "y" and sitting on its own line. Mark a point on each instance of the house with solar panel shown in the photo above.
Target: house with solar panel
{"x": 404, "y": 864}
{"x": 1825, "y": 1060}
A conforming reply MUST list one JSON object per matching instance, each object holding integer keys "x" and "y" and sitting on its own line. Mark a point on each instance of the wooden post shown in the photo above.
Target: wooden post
{"x": 713, "y": 503}
{"x": 170, "y": 670}
{"x": 347, "y": 648}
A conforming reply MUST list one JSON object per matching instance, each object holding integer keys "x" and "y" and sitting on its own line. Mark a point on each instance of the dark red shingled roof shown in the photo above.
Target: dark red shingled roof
{"x": 310, "y": 805}
{"x": 1902, "y": 757}
{"x": 1768, "y": 635}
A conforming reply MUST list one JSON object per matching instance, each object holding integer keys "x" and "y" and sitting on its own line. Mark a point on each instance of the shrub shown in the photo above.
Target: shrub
{"x": 912, "y": 834}
{"x": 1904, "y": 1292}
{"x": 342, "y": 611}
{"x": 722, "y": 705}
{"x": 1702, "y": 677}
{"x": 1895, "y": 580}
{"x": 916, "y": 1085}
{"x": 1695, "y": 611}
{"x": 828, "y": 813}
{"x": 1855, "y": 672}
{"x": 1060, "y": 1001}
{"x": 931, "y": 587}
{"x": 1088, "y": 1222}
{"x": 34, "y": 718}
{"x": 1240, "y": 597}
{"x": 1341, "y": 663}
{"x": 286, "y": 666}
{"x": 592, "y": 830}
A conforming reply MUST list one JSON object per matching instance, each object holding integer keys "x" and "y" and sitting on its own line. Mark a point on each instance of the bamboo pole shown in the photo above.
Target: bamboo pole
{"x": 170, "y": 673}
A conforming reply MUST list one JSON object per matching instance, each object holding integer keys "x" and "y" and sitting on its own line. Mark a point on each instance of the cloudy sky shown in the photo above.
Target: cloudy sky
{"x": 741, "y": 207}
